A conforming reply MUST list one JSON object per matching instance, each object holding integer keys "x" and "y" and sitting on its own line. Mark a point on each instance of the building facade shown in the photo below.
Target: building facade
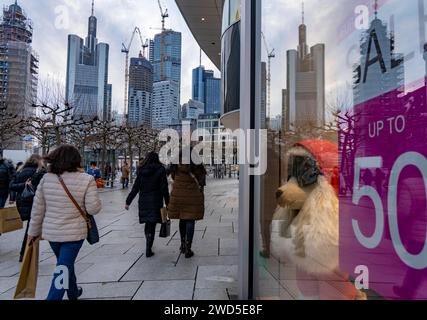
{"x": 165, "y": 56}
{"x": 192, "y": 110}
{"x": 166, "y": 106}
{"x": 207, "y": 89}
{"x": 140, "y": 91}
{"x": 18, "y": 63}
{"x": 87, "y": 74}
{"x": 305, "y": 84}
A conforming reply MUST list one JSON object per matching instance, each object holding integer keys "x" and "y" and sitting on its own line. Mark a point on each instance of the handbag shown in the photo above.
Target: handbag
{"x": 28, "y": 194}
{"x": 27, "y": 283}
{"x": 92, "y": 229}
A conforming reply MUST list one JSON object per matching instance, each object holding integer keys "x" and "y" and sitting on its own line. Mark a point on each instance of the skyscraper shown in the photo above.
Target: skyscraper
{"x": 305, "y": 92}
{"x": 165, "y": 108}
{"x": 140, "y": 91}
{"x": 381, "y": 69}
{"x": 199, "y": 75}
{"x": 207, "y": 89}
{"x": 18, "y": 62}
{"x": 167, "y": 56}
{"x": 263, "y": 95}
{"x": 192, "y": 110}
{"x": 87, "y": 74}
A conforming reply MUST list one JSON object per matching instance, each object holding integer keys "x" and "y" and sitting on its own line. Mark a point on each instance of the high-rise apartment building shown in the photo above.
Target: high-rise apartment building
{"x": 305, "y": 93}
{"x": 207, "y": 89}
{"x": 166, "y": 107}
{"x": 192, "y": 110}
{"x": 166, "y": 56}
{"x": 18, "y": 62}
{"x": 87, "y": 88}
{"x": 140, "y": 91}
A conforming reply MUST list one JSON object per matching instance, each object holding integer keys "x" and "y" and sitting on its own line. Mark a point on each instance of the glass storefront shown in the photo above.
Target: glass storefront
{"x": 342, "y": 210}
{"x": 230, "y": 56}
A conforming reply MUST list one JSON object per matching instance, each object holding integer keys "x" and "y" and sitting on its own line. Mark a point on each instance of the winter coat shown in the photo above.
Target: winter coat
{"x": 7, "y": 172}
{"x": 54, "y": 215}
{"x": 125, "y": 172}
{"x": 18, "y": 185}
{"x": 152, "y": 186}
{"x": 187, "y": 196}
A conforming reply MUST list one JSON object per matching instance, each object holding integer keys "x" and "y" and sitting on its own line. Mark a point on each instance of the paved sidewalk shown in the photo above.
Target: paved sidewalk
{"x": 116, "y": 268}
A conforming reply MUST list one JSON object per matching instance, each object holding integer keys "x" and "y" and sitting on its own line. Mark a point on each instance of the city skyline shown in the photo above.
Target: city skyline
{"x": 117, "y": 20}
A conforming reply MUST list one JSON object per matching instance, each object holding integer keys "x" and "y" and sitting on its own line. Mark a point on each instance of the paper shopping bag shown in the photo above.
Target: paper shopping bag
{"x": 27, "y": 282}
{"x": 164, "y": 213}
{"x": 10, "y": 220}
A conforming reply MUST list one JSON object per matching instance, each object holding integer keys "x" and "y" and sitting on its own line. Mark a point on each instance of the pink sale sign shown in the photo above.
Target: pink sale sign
{"x": 383, "y": 210}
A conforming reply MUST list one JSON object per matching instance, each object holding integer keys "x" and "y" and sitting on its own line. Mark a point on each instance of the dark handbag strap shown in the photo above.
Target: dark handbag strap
{"x": 73, "y": 200}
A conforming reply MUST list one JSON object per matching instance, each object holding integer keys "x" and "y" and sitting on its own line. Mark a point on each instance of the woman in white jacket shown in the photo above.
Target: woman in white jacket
{"x": 56, "y": 219}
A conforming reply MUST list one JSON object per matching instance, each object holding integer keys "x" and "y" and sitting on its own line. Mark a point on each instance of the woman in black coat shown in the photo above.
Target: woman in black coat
{"x": 29, "y": 174}
{"x": 152, "y": 186}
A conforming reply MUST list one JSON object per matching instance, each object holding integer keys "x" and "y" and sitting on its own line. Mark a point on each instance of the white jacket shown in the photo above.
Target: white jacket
{"x": 54, "y": 216}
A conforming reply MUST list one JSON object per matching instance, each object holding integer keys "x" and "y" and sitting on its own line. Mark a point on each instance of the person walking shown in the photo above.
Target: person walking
{"x": 187, "y": 201}
{"x": 125, "y": 175}
{"x": 7, "y": 172}
{"x": 56, "y": 219}
{"x": 29, "y": 174}
{"x": 152, "y": 186}
{"x": 94, "y": 171}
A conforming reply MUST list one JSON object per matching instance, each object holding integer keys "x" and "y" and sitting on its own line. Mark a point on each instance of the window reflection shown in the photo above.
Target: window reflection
{"x": 343, "y": 201}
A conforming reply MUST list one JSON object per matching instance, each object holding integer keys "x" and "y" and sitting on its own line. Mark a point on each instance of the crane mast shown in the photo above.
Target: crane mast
{"x": 164, "y": 14}
{"x": 125, "y": 50}
{"x": 270, "y": 55}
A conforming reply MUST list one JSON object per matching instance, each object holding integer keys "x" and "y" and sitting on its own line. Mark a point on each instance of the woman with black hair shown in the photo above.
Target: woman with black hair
{"x": 152, "y": 186}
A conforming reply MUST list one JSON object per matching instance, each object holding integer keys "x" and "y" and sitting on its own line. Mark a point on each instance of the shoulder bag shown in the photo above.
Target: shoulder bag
{"x": 92, "y": 229}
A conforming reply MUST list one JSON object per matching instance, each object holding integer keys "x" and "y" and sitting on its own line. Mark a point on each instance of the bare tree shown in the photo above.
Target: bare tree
{"x": 11, "y": 126}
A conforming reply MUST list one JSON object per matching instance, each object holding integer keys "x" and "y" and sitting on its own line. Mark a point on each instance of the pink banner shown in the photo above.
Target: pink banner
{"x": 383, "y": 209}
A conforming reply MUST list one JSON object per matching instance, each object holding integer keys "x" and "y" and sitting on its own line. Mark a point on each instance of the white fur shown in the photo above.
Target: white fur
{"x": 320, "y": 224}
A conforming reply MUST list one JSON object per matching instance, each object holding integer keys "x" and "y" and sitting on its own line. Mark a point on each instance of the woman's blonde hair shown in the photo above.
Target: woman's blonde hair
{"x": 33, "y": 161}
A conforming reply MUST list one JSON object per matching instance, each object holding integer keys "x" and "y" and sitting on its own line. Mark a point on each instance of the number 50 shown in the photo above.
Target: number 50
{"x": 418, "y": 261}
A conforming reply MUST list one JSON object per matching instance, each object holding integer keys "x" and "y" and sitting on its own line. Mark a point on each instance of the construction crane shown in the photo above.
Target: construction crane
{"x": 125, "y": 50}
{"x": 270, "y": 54}
{"x": 145, "y": 45}
{"x": 164, "y": 15}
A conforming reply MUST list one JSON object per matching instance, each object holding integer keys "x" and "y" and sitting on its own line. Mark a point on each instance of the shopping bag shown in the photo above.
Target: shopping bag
{"x": 165, "y": 229}
{"x": 164, "y": 214}
{"x": 10, "y": 220}
{"x": 27, "y": 283}
{"x": 100, "y": 183}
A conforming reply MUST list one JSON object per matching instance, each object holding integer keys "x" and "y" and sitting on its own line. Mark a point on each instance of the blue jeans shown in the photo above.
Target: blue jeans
{"x": 66, "y": 255}
{"x": 3, "y": 201}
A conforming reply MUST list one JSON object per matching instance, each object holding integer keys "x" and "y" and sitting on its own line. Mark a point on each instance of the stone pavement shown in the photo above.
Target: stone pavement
{"x": 117, "y": 269}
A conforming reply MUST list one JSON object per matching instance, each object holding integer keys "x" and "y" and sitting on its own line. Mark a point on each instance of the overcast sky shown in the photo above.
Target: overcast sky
{"x": 116, "y": 21}
{"x": 333, "y": 23}
{"x": 329, "y": 22}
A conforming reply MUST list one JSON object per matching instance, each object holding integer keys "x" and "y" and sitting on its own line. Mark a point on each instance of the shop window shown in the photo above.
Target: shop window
{"x": 343, "y": 211}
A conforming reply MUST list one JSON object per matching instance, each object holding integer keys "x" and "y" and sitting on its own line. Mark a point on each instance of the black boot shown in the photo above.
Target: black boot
{"x": 182, "y": 247}
{"x": 188, "y": 252}
{"x": 150, "y": 240}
